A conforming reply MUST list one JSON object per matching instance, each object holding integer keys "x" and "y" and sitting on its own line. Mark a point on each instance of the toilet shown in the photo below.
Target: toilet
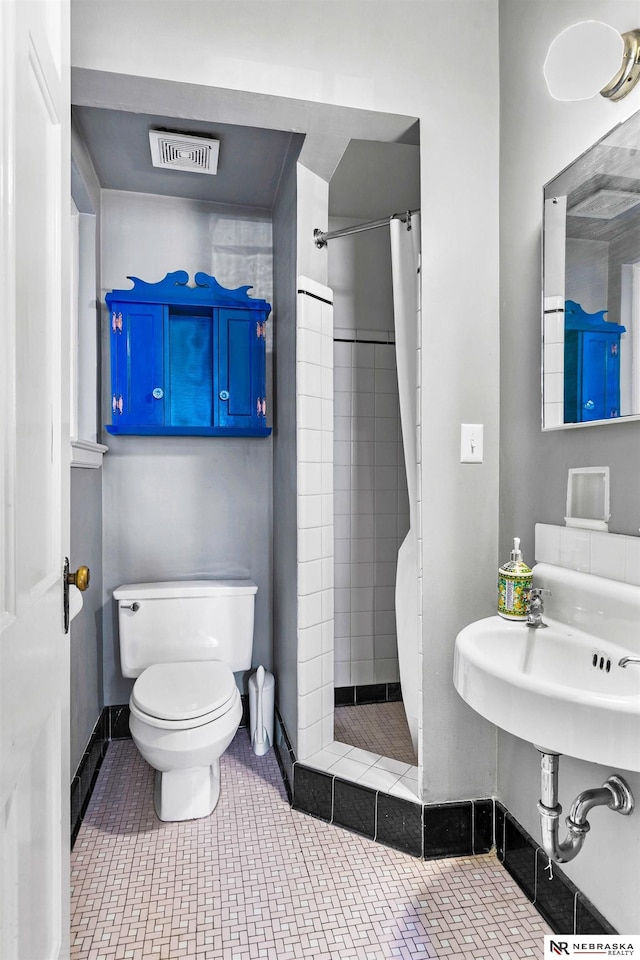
{"x": 182, "y": 640}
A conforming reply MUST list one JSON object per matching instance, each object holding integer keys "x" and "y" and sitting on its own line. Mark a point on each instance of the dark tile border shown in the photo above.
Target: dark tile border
{"x": 367, "y": 693}
{"x": 87, "y": 773}
{"x": 556, "y": 898}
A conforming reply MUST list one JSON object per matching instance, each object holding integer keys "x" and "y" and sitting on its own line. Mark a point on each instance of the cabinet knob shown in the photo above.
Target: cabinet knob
{"x": 224, "y": 394}
{"x": 158, "y": 393}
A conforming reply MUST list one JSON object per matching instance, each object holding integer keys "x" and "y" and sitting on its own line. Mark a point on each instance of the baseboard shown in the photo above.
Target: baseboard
{"x": 367, "y": 693}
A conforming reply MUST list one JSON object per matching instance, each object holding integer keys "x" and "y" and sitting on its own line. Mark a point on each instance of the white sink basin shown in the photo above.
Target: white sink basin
{"x": 560, "y": 687}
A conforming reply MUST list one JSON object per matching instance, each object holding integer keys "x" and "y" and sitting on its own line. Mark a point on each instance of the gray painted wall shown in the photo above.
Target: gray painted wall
{"x": 540, "y": 137}
{"x": 86, "y": 628}
{"x": 86, "y": 515}
{"x": 181, "y": 507}
{"x": 285, "y": 555}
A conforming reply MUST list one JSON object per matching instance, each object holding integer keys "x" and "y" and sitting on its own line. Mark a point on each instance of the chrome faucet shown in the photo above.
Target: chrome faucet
{"x": 625, "y": 660}
{"x": 536, "y": 607}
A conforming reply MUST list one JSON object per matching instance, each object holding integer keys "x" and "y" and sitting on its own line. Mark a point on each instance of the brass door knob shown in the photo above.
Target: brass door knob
{"x": 80, "y": 578}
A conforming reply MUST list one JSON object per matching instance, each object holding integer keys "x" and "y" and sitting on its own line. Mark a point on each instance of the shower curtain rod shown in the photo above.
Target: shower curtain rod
{"x": 321, "y": 238}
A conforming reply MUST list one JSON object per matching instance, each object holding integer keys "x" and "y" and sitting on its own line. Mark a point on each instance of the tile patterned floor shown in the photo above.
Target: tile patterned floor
{"x": 259, "y": 880}
{"x": 379, "y": 727}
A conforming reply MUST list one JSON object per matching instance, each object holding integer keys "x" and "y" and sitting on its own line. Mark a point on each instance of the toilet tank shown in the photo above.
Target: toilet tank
{"x": 181, "y": 620}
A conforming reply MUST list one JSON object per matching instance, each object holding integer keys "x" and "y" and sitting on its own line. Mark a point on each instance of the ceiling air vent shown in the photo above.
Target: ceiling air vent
{"x": 605, "y": 204}
{"x": 177, "y": 151}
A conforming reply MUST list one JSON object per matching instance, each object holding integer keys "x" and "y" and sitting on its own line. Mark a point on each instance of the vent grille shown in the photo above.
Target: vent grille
{"x": 175, "y": 151}
{"x": 605, "y": 204}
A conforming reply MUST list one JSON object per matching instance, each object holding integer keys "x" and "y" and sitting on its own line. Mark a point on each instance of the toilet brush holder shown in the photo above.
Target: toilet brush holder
{"x": 261, "y": 709}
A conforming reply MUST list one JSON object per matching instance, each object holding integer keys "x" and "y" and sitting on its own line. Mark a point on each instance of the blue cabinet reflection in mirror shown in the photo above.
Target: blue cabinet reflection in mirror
{"x": 187, "y": 360}
{"x": 591, "y": 365}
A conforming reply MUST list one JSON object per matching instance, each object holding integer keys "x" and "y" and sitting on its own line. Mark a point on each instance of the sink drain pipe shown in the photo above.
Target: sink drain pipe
{"x": 614, "y": 793}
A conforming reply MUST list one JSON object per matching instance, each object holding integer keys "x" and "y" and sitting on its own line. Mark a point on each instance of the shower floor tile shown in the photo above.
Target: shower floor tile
{"x": 379, "y": 727}
{"x": 258, "y": 880}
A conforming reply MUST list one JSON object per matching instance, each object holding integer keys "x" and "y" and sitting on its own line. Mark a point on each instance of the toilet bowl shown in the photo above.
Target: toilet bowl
{"x": 182, "y": 641}
{"x": 183, "y": 717}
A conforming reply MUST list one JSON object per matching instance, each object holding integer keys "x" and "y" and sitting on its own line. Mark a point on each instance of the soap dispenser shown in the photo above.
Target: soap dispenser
{"x": 514, "y": 585}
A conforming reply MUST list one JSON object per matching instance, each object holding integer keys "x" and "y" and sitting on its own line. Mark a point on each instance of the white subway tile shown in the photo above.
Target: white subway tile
{"x": 547, "y": 543}
{"x": 553, "y": 414}
{"x": 553, "y": 388}
{"x": 309, "y": 708}
{"x": 309, "y": 740}
{"x": 326, "y": 385}
{"x": 554, "y": 328}
{"x": 575, "y": 549}
{"x": 362, "y": 672}
{"x": 309, "y": 610}
{"x": 309, "y": 676}
{"x": 309, "y": 445}
{"x": 362, "y": 626}
{"x": 308, "y": 346}
{"x": 362, "y": 599}
{"x": 328, "y": 537}
{"x": 327, "y": 604}
{"x": 309, "y": 479}
{"x": 326, "y": 352}
{"x": 309, "y": 511}
{"x": 385, "y": 671}
{"x": 608, "y": 555}
{"x": 309, "y": 379}
{"x": 328, "y": 637}
{"x": 309, "y": 577}
{"x": 632, "y": 562}
{"x": 341, "y": 379}
{"x": 309, "y": 544}
{"x": 309, "y": 643}
{"x": 342, "y": 354}
{"x": 342, "y": 674}
{"x": 326, "y": 311}
{"x": 309, "y": 413}
{"x": 385, "y": 356}
{"x": 342, "y": 600}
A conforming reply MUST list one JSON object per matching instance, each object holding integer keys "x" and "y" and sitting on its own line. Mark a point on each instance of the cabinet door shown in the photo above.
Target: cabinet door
{"x": 600, "y": 376}
{"x": 240, "y": 400}
{"x": 137, "y": 374}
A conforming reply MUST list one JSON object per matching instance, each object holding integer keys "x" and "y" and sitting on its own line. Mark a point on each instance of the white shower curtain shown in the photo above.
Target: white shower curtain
{"x": 405, "y": 266}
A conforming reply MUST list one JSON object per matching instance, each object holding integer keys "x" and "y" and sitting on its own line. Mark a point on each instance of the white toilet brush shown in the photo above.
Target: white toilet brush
{"x": 260, "y": 739}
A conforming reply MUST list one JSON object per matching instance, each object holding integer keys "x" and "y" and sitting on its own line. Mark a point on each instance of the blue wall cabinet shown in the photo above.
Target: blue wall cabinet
{"x": 591, "y": 365}
{"x": 187, "y": 360}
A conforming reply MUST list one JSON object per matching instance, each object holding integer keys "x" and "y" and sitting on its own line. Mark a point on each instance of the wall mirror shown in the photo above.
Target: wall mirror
{"x": 591, "y": 285}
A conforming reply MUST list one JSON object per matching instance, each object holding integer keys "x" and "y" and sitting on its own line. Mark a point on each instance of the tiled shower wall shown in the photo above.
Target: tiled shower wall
{"x": 314, "y": 434}
{"x": 371, "y": 510}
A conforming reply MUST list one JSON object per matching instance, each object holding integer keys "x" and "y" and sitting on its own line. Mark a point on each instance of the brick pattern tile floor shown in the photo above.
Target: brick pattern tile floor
{"x": 379, "y": 727}
{"x": 259, "y": 880}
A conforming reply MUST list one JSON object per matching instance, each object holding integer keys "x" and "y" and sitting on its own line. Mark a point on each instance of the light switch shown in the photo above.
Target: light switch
{"x": 471, "y": 442}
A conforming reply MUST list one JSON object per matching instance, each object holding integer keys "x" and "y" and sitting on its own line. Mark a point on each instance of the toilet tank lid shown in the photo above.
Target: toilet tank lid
{"x": 184, "y": 588}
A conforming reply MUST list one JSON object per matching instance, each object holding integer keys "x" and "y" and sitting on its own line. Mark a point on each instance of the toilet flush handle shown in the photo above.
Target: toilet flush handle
{"x": 134, "y": 607}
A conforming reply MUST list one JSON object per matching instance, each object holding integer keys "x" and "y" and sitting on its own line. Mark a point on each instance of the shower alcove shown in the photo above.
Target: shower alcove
{"x": 346, "y": 351}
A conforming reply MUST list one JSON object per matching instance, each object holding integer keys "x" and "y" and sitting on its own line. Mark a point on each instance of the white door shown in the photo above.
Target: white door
{"x": 34, "y": 478}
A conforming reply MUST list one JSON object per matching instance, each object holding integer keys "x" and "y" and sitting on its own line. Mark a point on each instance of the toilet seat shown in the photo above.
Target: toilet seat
{"x": 183, "y": 695}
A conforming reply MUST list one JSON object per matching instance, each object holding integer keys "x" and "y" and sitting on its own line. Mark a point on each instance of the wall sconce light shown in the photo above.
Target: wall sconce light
{"x": 591, "y": 58}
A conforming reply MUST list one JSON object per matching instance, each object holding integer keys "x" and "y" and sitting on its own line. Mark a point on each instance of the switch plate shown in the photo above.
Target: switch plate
{"x": 471, "y": 442}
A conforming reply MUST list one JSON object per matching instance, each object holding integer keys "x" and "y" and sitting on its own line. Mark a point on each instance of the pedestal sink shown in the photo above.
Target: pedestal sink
{"x": 560, "y": 686}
